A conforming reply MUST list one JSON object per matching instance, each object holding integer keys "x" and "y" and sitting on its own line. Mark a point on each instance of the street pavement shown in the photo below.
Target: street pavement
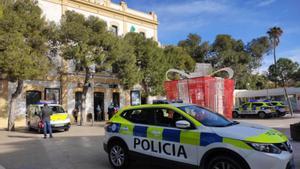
{"x": 81, "y": 148}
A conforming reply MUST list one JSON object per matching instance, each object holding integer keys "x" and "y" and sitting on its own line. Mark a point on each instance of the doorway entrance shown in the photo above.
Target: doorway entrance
{"x": 99, "y": 106}
{"x": 116, "y": 99}
{"x": 33, "y": 97}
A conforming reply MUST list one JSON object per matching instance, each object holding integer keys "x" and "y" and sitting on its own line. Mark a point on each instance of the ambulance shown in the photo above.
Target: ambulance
{"x": 192, "y": 135}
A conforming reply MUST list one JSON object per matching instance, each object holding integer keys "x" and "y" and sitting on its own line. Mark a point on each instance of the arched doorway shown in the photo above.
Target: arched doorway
{"x": 33, "y": 97}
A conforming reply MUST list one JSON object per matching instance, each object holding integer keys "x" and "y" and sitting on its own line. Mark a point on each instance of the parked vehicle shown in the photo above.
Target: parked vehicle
{"x": 192, "y": 135}
{"x": 59, "y": 120}
{"x": 260, "y": 109}
{"x": 281, "y": 109}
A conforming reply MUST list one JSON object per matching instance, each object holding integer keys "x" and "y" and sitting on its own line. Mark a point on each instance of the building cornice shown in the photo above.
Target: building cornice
{"x": 104, "y": 8}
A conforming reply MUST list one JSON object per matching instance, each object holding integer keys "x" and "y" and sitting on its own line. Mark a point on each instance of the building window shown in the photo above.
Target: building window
{"x": 143, "y": 33}
{"x": 52, "y": 95}
{"x": 115, "y": 68}
{"x": 114, "y": 30}
{"x": 33, "y": 97}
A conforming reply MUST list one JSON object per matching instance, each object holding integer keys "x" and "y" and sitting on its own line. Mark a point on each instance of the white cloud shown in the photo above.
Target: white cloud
{"x": 265, "y": 2}
{"x": 293, "y": 54}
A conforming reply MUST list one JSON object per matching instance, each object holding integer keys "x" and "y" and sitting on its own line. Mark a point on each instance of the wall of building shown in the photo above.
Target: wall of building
{"x": 126, "y": 19}
{"x": 113, "y": 14}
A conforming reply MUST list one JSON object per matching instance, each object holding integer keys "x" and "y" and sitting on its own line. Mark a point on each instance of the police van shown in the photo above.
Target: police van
{"x": 193, "y": 135}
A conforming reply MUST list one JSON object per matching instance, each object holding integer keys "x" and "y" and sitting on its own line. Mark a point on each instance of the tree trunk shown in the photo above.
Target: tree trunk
{"x": 11, "y": 113}
{"x": 287, "y": 97}
{"x": 275, "y": 65}
{"x": 146, "y": 90}
{"x": 83, "y": 98}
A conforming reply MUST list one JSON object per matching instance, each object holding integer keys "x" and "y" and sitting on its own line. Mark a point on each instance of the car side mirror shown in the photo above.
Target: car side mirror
{"x": 183, "y": 124}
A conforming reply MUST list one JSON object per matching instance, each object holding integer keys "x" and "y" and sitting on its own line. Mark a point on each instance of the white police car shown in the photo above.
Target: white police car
{"x": 193, "y": 135}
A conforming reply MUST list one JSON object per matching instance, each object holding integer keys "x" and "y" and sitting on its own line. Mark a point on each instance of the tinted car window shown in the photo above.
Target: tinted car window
{"x": 141, "y": 116}
{"x": 257, "y": 104}
{"x": 167, "y": 117}
{"x": 246, "y": 105}
{"x": 207, "y": 117}
{"x": 57, "y": 109}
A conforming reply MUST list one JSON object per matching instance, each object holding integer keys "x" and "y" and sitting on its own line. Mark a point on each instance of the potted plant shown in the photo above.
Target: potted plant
{"x": 295, "y": 131}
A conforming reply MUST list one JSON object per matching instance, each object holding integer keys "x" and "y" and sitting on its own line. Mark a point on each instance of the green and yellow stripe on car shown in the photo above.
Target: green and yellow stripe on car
{"x": 188, "y": 137}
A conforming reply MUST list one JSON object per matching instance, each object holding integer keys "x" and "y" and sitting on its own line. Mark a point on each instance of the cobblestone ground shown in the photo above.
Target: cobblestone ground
{"x": 81, "y": 148}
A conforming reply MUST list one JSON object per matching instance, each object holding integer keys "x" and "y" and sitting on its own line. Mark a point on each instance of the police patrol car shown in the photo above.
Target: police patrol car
{"x": 261, "y": 109}
{"x": 193, "y": 135}
{"x": 59, "y": 119}
{"x": 281, "y": 109}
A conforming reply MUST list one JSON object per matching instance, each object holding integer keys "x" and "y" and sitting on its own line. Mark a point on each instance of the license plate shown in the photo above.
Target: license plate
{"x": 59, "y": 125}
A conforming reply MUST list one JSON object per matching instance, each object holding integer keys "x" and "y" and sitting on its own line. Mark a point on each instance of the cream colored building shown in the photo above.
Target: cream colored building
{"x": 66, "y": 87}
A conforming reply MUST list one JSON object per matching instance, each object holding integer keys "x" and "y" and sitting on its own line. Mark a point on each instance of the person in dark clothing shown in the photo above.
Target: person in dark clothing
{"x": 75, "y": 114}
{"x": 111, "y": 109}
{"x": 46, "y": 114}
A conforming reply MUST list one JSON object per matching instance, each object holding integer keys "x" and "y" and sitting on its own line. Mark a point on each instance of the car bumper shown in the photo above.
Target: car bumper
{"x": 61, "y": 126}
{"x": 259, "y": 160}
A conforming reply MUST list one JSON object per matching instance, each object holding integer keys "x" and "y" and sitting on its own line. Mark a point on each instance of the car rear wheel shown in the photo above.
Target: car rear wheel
{"x": 223, "y": 162}
{"x": 262, "y": 115}
{"x": 118, "y": 156}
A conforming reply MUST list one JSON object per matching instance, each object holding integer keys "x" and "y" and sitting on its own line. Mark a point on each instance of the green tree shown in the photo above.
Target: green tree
{"x": 257, "y": 48}
{"x": 195, "y": 47}
{"x": 87, "y": 42}
{"x": 150, "y": 63}
{"x": 242, "y": 58}
{"x": 178, "y": 58}
{"x": 284, "y": 71}
{"x": 125, "y": 65}
{"x": 274, "y": 35}
{"x": 23, "y": 46}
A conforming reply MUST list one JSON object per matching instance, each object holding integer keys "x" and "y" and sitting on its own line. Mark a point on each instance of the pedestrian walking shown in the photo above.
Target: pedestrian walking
{"x": 46, "y": 114}
{"x": 75, "y": 114}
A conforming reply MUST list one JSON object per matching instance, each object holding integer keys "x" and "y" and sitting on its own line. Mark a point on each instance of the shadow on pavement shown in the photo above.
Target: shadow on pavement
{"x": 61, "y": 153}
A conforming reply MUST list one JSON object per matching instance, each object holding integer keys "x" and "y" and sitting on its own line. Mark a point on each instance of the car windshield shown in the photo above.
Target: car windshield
{"x": 276, "y": 103}
{"x": 270, "y": 104}
{"x": 207, "y": 117}
{"x": 57, "y": 109}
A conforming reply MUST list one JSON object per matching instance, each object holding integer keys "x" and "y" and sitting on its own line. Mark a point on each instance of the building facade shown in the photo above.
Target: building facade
{"x": 65, "y": 87}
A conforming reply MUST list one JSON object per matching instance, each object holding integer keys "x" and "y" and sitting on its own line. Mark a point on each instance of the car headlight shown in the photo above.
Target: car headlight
{"x": 267, "y": 148}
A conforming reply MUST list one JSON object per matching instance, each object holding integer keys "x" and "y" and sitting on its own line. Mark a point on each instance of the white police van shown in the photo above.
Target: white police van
{"x": 193, "y": 135}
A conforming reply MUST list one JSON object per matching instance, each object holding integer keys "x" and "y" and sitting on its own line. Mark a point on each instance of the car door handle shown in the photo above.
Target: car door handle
{"x": 156, "y": 132}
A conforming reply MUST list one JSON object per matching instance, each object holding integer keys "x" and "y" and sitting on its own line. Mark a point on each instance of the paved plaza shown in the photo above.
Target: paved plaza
{"x": 81, "y": 148}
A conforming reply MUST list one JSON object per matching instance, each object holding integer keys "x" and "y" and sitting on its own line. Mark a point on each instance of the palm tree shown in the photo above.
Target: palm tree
{"x": 274, "y": 34}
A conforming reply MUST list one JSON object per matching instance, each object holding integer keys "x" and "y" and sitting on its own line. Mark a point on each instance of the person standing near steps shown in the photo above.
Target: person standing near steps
{"x": 46, "y": 114}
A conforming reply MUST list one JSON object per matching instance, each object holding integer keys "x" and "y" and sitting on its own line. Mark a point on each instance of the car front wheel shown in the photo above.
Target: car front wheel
{"x": 118, "y": 156}
{"x": 223, "y": 162}
{"x": 262, "y": 115}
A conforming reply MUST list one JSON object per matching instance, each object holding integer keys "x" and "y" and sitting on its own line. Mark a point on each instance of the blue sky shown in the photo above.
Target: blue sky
{"x": 243, "y": 19}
